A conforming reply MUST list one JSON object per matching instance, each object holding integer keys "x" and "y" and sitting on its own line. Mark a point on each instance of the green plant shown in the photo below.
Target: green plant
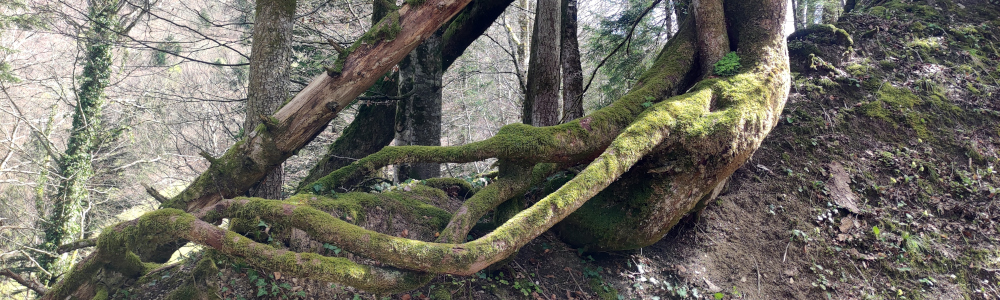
{"x": 729, "y": 65}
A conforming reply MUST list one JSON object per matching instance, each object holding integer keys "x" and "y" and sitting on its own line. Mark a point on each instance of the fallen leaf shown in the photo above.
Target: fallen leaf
{"x": 277, "y": 275}
{"x": 846, "y": 224}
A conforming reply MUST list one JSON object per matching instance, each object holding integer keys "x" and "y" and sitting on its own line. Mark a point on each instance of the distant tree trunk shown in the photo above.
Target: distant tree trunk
{"x": 796, "y": 14}
{"x": 418, "y": 117}
{"x": 572, "y": 80}
{"x": 541, "y": 103}
{"x": 67, "y": 221}
{"x": 849, "y": 6}
{"x": 668, "y": 22}
{"x": 372, "y": 128}
{"x": 270, "y": 58}
{"x": 523, "y": 19}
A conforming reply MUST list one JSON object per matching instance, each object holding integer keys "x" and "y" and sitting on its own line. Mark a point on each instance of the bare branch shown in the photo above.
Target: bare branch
{"x": 31, "y": 284}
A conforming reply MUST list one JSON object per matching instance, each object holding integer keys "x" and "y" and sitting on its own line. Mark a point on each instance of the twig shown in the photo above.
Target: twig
{"x": 156, "y": 194}
{"x": 76, "y": 245}
{"x": 627, "y": 38}
{"x": 31, "y": 284}
{"x": 785, "y": 256}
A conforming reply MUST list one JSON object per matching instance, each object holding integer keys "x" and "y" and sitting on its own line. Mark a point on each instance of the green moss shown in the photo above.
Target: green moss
{"x": 102, "y": 293}
{"x": 898, "y": 98}
{"x": 823, "y": 34}
{"x": 385, "y": 30}
{"x": 465, "y": 189}
{"x": 604, "y": 291}
{"x": 859, "y": 70}
{"x": 878, "y": 11}
{"x": 972, "y": 89}
{"x": 440, "y": 293}
{"x": 887, "y": 64}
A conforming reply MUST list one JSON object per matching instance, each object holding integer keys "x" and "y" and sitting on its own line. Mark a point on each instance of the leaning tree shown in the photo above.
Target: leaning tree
{"x": 640, "y": 164}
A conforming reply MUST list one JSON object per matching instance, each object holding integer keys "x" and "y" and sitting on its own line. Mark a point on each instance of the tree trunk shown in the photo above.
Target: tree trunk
{"x": 713, "y": 41}
{"x": 271, "y": 53}
{"x": 66, "y": 221}
{"x": 572, "y": 79}
{"x": 849, "y": 6}
{"x": 796, "y": 17}
{"x": 668, "y": 22}
{"x": 418, "y": 117}
{"x": 541, "y": 103}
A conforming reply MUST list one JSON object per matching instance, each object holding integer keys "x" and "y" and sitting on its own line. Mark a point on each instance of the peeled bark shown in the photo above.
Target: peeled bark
{"x": 572, "y": 72}
{"x": 270, "y": 59}
{"x": 541, "y": 103}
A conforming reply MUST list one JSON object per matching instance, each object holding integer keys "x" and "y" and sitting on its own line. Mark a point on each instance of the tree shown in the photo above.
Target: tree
{"x": 541, "y": 98}
{"x": 650, "y": 157}
{"x": 67, "y": 220}
{"x": 572, "y": 73}
{"x": 269, "y": 69}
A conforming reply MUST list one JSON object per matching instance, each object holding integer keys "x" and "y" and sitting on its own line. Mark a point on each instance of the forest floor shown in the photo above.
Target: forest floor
{"x": 879, "y": 183}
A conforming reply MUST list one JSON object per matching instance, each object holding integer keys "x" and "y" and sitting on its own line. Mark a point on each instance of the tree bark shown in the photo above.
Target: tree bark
{"x": 418, "y": 117}
{"x": 713, "y": 41}
{"x": 541, "y": 103}
{"x": 572, "y": 72}
{"x": 271, "y": 52}
{"x": 467, "y": 26}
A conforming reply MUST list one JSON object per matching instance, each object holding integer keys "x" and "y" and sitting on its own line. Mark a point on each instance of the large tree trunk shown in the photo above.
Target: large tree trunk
{"x": 541, "y": 103}
{"x": 67, "y": 221}
{"x": 270, "y": 58}
{"x": 418, "y": 117}
{"x": 572, "y": 73}
{"x": 641, "y": 207}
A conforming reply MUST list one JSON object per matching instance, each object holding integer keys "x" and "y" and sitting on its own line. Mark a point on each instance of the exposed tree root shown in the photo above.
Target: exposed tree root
{"x": 720, "y": 122}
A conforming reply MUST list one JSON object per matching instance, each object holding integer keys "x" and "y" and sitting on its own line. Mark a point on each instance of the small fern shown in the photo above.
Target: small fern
{"x": 729, "y": 65}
